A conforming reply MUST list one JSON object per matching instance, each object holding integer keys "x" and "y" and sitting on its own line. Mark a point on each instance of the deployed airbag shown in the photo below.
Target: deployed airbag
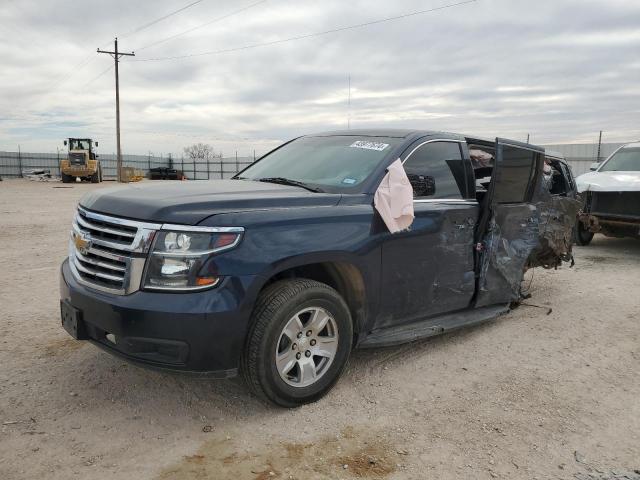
{"x": 394, "y": 198}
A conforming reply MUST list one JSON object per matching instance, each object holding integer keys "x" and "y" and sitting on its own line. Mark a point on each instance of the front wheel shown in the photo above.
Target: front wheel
{"x": 299, "y": 342}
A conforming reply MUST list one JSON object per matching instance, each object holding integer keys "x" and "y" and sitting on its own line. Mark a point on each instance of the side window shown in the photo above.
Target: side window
{"x": 515, "y": 171}
{"x": 556, "y": 177}
{"x": 569, "y": 176}
{"x": 436, "y": 170}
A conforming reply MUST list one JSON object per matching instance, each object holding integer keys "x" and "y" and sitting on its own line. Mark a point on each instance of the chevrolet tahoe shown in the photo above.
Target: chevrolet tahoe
{"x": 279, "y": 272}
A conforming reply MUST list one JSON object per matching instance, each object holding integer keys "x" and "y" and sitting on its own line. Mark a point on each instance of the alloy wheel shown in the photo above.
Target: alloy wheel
{"x": 306, "y": 347}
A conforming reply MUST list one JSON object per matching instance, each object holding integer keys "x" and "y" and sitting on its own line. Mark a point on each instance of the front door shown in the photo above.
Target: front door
{"x": 429, "y": 269}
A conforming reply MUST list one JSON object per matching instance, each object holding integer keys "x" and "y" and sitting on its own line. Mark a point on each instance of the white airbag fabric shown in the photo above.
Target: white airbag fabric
{"x": 394, "y": 199}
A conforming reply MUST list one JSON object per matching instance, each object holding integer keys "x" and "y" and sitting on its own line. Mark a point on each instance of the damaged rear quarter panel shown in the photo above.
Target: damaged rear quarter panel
{"x": 523, "y": 236}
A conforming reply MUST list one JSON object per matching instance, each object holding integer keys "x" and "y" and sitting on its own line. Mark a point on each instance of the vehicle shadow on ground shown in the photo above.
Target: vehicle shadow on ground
{"x": 113, "y": 382}
{"x": 109, "y": 381}
{"x": 376, "y": 359}
{"x": 614, "y": 245}
{"x": 622, "y": 252}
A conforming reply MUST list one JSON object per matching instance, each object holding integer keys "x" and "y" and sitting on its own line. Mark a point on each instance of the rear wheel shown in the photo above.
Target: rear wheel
{"x": 67, "y": 178}
{"x": 581, "y": 235}
{"x": 299, "y": 342}
{"x": 97, "y": 176}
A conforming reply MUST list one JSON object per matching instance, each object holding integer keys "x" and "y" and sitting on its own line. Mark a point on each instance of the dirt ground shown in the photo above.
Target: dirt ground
{"x": 531, "y": 395}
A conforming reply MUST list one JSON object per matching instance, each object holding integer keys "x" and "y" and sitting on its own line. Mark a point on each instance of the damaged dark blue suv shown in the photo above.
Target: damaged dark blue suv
{"x": 279, "y": 272}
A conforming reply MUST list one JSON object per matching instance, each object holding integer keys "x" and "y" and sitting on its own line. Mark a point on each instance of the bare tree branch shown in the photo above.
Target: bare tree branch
{"x": 199, "y": 151}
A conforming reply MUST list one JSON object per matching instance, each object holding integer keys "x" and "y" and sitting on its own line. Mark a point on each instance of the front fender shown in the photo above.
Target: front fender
{"x": 281, "y": 239}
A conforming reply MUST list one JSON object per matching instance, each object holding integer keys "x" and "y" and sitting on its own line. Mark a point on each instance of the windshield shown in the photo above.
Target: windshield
{"x": 336, "y": 161}
{"x": 75, "y": 144}
{"x": 625, "y": 160}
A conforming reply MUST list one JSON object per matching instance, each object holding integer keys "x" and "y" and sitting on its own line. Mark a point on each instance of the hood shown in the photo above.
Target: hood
{"x": 609, "y": 182}
{"x": 188, "y": 203}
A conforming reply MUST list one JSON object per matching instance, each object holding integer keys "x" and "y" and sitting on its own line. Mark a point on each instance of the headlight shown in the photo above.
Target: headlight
{"x": 177, "y": 258}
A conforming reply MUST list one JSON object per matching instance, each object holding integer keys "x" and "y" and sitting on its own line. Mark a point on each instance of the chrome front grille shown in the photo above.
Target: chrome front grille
{"x": 108, "y": 253}
{"x": 106, "y": 230}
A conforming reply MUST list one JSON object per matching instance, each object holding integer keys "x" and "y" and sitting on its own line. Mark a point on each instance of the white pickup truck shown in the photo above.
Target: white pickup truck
{"x": 611, "y": 194}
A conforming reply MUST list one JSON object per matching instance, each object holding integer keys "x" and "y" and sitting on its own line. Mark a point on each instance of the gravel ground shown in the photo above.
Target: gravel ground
{"x": 530, "y": 395}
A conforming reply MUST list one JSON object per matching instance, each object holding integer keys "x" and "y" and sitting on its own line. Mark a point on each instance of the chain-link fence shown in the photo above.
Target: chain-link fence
{"x": 16, "y": 164}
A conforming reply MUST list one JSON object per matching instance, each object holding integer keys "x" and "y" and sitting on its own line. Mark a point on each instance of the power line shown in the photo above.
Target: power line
{"x": 308, "y": 35}
{"x": 158, "y": 20}
{"x": 79, "y": 66}
{"x": 108, "y": 69}
{"x": 171, "y": 37}
{"x": 90, "y": 58}
{"x": 73, "y": 71}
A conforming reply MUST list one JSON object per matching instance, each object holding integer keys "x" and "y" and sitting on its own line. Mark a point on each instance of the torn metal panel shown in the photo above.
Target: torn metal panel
{"x": 520, "y": 236}
{"x": 511, "y": 237}
{"x": 556, "y": 217}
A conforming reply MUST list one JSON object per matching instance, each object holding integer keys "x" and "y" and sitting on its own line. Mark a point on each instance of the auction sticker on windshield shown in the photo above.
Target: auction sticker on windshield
{"x": 369, "y": 145}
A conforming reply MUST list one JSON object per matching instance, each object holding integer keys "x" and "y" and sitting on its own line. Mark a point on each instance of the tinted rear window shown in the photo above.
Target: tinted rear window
{"x": 513, "y": 178}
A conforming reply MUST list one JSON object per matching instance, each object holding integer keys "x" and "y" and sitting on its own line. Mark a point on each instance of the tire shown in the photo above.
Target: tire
{"x": 274, "y": 324}
{"x": 96, "y": 177}
{"x": 581, "y": 236}
{"x": 66, "y": 178}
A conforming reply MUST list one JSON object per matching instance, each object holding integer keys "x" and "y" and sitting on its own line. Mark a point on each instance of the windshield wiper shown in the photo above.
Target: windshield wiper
{"x": 293, "y": 183}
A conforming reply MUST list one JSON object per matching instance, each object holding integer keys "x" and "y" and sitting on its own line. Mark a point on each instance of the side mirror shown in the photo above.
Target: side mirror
{"x": 96, "y": 143}
{"x": 423, "y": 185}
{"x": 65, "y": 143}
{"x": 594, "y": 166}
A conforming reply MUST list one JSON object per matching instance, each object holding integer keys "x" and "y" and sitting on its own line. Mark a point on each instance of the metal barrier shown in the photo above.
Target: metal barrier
{"x": 13, "y": 164}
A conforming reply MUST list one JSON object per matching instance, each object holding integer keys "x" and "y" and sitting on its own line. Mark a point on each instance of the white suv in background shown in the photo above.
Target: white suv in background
{"x": 611, "y": 194}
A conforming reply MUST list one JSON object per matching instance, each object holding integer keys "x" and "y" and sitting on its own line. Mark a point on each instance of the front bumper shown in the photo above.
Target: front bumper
{"x": 611, "y": 225}
{"x": 201, "y": 332}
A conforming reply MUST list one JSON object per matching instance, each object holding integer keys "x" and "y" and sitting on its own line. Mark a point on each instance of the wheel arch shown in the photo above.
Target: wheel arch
{"x": 343, "y": 276}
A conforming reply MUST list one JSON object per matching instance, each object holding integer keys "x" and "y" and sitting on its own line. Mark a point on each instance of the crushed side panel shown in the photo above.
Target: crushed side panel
{"x": 523, "y": 236}
{"x": 557, "y": 216}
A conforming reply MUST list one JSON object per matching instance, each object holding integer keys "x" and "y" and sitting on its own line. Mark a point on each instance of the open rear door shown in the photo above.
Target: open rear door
{"x": 508, "y": 230}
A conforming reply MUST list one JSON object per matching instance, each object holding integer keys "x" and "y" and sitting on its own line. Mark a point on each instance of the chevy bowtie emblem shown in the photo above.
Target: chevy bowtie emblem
{"x": 82, "y": 242}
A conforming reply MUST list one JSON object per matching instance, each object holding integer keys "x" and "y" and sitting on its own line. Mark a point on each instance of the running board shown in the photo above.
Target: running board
{"x": 433, "y": 326}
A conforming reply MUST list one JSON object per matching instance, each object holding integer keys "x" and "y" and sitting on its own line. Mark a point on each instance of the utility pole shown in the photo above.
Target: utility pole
{"x": 19, "y": 162}
{"x": 599, "y": 146}
{"x": 349, "y": 105}
{"x": 116, "y": 57}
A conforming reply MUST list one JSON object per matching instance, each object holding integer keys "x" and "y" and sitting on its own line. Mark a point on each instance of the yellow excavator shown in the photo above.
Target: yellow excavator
{"x": 81, "y": 162}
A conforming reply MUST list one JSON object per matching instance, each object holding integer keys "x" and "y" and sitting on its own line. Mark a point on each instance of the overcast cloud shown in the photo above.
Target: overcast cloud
{"x": 560, "y": 70}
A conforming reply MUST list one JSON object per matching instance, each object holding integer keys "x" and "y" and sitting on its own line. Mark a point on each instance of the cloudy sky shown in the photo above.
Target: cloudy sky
{"x": 560, "y": 70}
